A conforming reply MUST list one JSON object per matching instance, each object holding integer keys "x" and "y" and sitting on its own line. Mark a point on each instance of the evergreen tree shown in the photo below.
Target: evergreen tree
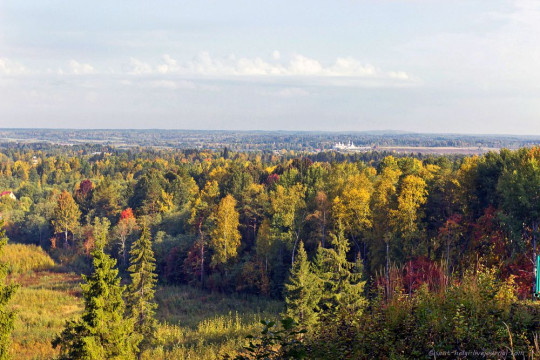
{"x": 342, "y": 284}
{"x": 103, "y": 332}
{"x": 142, "y": 288}
{"x": 302, "y": 291}
{"x": 7, "y": 317}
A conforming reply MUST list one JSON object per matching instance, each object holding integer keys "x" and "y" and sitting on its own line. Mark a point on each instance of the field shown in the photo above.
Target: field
{"x": 440, "y": 150}
{"x": 194, "y": 324}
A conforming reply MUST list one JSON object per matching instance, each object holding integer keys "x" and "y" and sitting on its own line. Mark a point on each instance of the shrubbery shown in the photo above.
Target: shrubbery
{"x": 477, "y": 314}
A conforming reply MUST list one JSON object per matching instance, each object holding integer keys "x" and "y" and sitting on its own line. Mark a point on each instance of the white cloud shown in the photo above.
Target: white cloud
{"x": 298, "y": 65}
{"x": 137, "y": 67}
{"x": 293, "y": 71}
{"x": 301, "y": 65}
{"x": 78, "y": 68}
{"x": 169, "y": 65}
{"x": 176, "y": 85}
{"x": 399, "y": 75}
{"x": 9, "y": 67}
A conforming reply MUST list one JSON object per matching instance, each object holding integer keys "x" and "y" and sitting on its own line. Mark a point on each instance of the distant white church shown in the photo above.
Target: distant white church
{"x": 350, "y": 147}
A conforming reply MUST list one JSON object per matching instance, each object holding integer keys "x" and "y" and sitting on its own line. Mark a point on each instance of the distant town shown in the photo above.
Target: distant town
{"x": 273, "y": 141}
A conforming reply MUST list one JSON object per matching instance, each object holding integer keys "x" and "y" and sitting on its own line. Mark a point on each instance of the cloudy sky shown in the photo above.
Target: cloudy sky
{"x": 462, "y": 66}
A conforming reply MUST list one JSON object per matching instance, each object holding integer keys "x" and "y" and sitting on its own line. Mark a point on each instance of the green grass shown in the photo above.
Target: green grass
{"x": 189, "y": 306}
{"x": 22, "y": 258}
{"x": 43, "y": 303}
{"x": 201, "y": 325}
{"x": 212, "y": 339}
{"x": 194, "y": 324}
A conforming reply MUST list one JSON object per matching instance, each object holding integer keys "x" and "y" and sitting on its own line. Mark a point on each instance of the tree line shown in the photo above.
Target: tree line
{"x": 234, "y": 222}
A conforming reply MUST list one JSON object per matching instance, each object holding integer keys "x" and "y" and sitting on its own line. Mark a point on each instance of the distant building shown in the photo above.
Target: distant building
{"x": 8, "y": 194}
{"x": 350, "y": 147}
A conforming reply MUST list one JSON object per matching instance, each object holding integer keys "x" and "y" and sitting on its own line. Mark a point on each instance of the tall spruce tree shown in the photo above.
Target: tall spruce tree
{"x": 141, "y": 303}
{"x": 103, "y": 332}
{"x": 7, "y": 316}
{"x": 342, "y": 284}
{"x": 302, "y": 291}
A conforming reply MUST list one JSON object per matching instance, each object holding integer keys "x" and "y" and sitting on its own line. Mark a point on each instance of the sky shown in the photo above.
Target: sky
{"x": 461, "y": 66}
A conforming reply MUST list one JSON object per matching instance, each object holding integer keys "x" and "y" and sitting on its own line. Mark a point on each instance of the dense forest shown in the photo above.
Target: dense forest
{"x": 372, "y": 255}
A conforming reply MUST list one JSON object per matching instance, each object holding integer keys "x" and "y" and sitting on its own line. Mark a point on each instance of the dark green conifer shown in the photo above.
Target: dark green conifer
{"x": 103, "y": 332}
{"x": 142, "y": 288}
{"x": 7, "y": 317}
{"x": 342, "y": 284}
{"x": 302, "y": 291}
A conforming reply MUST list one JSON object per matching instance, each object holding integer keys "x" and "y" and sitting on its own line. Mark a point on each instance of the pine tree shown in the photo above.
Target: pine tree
{"x": 342, "y": 284}
{"x": 7, "y": 317}
{"x": 142, "y": 288}
{"x": 103, "y": 332}
{"x": 302, "y": 291}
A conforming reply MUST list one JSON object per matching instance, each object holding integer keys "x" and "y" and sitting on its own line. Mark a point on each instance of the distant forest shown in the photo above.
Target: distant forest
{"x": 260, "y": 140}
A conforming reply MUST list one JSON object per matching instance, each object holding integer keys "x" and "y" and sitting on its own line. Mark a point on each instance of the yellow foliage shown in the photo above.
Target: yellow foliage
{"x": 165, "y": 203}
{"x": 226, "y": 237}
{"x": 270, "y": 169}
{"x": 22, "y": 258}
{"x": 506, "y": 294}
{"x": 413, "y": 194}
{"x": 218, "y": 173}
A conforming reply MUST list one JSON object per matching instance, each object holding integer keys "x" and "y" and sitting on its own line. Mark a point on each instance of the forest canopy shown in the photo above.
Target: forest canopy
{"x": 333, "y": 237}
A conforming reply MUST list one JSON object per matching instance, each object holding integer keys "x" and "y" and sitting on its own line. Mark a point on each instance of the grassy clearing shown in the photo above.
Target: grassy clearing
{"x": 43, "y": 303}
{"x": 212, "y": 339}
{"x": 201, "y": 325}
{"x": 194, "y": 324}
{"x": 22, "y": 258}
{"x": 188, "y": 306}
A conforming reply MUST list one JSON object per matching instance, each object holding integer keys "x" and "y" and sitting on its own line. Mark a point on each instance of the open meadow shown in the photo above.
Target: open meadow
{"x": 193, "y": 324}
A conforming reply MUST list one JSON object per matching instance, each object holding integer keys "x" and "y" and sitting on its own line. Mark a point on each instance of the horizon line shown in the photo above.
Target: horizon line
{"x": 379, "y": 132}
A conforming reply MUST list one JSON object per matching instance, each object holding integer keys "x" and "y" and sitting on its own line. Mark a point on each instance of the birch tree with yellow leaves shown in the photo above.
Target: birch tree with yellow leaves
{"x": 225, "y": 237}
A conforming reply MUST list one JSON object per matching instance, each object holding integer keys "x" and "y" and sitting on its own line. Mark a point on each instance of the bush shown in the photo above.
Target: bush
{"x": 478, "y": 314}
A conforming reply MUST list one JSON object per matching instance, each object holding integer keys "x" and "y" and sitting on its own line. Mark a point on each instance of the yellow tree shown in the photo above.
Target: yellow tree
{"x": 356, "y": 198}
{"x": 225, "y": 238}
{"x": 66, "y": 215}
{"x": 166, "y": 202}
{"x": 382, "y": 201}
{"x": 404, "y": 218}
{"x": 412, "y": 195}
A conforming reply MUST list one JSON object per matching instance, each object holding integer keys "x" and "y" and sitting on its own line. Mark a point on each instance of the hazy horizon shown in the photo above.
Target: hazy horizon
{"x": 370, "y": 132}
